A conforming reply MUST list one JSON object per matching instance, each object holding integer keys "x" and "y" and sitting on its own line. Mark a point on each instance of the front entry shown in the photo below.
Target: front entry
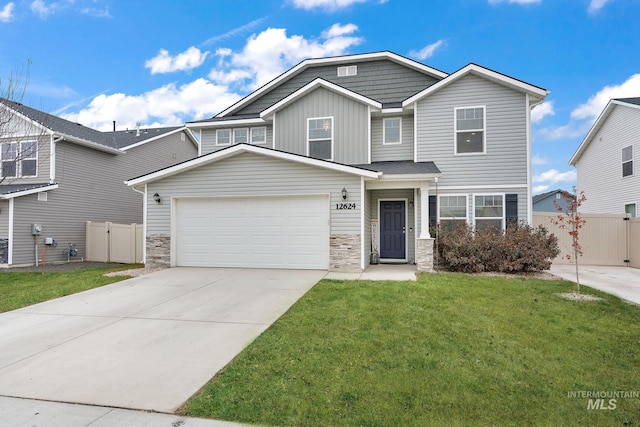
{"x": 393, "y": 242}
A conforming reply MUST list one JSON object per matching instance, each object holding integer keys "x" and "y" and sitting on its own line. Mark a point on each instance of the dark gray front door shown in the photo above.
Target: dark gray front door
{"x": 392, "y": 229}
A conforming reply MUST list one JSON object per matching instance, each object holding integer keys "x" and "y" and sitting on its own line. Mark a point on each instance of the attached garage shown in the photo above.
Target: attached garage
{"x": 256, "y": 232}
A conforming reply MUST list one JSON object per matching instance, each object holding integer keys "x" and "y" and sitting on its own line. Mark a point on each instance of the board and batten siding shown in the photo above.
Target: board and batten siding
{"x": 390, "y": 152}
{"x": 43, "y": 158}
{"x": 505, "y": 161}
{"x": 381, "y": 80}
{"x": 4, "y": 219}
{"x": 600, "y": 166}
{"x": 253, "y": 175}
{"x": 350, "y": 125}
{"x": 208, "y": 143}
{"x": 91, "y": 188}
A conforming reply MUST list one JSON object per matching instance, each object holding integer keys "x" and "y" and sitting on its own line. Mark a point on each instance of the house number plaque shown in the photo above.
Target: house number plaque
{"x": 343, "y": 206}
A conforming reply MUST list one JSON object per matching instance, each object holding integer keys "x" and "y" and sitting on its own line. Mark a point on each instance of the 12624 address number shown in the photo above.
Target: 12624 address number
{"x": 342, "y": 206}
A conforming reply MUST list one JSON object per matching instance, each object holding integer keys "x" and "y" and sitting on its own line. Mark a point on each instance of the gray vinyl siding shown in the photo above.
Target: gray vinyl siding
{"x": 250, "y": 174}
{"x": 382, "y": 80}
{"x": 4, "y": 219}
{"x": 381, "y": 152}
{"x": 350, "y": 125}
{"x": 505, "y": 160}
{"x": 43, "y": 159}
{"x": 91, "y": 188}
{"x": 600, "y": 166}
{"x": 377, "y": 195}
{"x": 209, "y": 138}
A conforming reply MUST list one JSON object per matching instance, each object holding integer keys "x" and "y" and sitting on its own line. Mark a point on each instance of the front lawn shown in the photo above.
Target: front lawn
{"x": 451, "y": 349}
{"x": 20, "y": 289}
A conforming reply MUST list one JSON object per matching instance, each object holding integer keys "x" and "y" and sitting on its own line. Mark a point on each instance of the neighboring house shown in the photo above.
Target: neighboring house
{"x": 341, "y": 157}
{"x": 606, "y": 160}
{"x": 550, "y": 201}
{"x": 60, "y": 174}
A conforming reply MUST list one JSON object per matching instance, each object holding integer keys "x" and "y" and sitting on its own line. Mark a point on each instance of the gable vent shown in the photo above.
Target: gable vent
{"x": 350, "y": 70}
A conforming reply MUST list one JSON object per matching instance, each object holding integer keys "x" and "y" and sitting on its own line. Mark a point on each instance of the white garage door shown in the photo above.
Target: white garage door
{"x": 260, "y": 232}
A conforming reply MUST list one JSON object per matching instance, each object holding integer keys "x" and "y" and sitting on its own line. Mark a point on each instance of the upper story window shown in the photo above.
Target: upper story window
{"x": 350, "y": 70}
{"x": 259, "y": 135}
{"x": 223, "y": 137}
{"x": 28, "y": 158}
{"x": 470, "y": 130}
{"x": 452, "y": 211}
{"x": 627, "y": 161}
{"x": 630, "y": 209}
{"x": 9, "y": 160}
{"x": 489, "y": 211}
{"x": 392, "y": 131}
{"x": 320, "y": 138}
{"x": 240, "y": 136}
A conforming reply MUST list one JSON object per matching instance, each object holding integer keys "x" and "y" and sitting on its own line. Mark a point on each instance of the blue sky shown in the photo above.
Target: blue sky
{"x": 164, "y": 63}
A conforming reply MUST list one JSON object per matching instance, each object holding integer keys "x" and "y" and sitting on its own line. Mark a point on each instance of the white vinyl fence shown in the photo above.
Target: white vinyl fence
{"x": 109, "y": 242}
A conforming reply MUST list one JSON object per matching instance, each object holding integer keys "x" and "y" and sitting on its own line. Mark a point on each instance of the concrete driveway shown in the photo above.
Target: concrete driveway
{"x": 145, "y": 343}
{"x": 623, "y": 282}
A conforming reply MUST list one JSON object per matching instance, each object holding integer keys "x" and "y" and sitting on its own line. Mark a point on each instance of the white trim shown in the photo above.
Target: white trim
{"x": 273, "y": 131}
{"x": 631, "y": 160}
{"x": 424, "y": 211}
{"x": 504, "y": 208}
{"x": 28, "y": 192}
{"x": 636, "y": 208}
{"x": 246, "y": 148}
{"x": 200, "y": 142}
{"x": 309, "y": 140}
{"x": 363, "y": 252}
{"x": 333, "y": 60}
{"x": 173, "y": 245}
{"x": 230, "y": 137}
{"x": 348, "y": 71}
{"x": 406, "y": 221}
{"x": 415, "y": 132}
{"x": 384, "y": 131}
{"x": 416, "y": 232}
{"x": 391, "y": 110}
{"x": 251, "y": 135}
{"x": 314, "y": 85}
{"x": 529, "y": 176}
{"x": 466, "y": 207}
{"x": 181, "y": 129}
{"x": 483, "y": 130}
{"x": 29, "y": 158}
{"x": 52, "y": 158}
{"x": 481, "y": 187}
{"x": 226, "y": 123}
{"x": 483, "y": 72}
{"x": 234, "y": 130}
{"x": 369, "y": 141}
{"x": 10, "y": 233}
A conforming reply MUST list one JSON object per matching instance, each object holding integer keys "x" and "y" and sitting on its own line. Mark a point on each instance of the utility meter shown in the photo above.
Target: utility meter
{"x": 36, "y": 229}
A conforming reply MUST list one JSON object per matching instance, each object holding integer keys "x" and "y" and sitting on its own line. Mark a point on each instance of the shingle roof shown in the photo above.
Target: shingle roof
{"x": 402, "y": 167}
{"x": 68, "y": 128}
{"x": 16, "y": 188}
{"x": 635, "y": 101}
{"x": 543, "y": 196}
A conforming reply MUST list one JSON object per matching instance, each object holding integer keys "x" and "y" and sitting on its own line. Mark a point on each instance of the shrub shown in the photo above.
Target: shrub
{"x": 520, "y": 248}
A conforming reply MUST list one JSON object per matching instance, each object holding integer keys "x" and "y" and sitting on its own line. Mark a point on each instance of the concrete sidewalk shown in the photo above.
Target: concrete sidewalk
{"x": 26, "y": 412}
{"x": 623, "y": 282}
{"x": 404, "y": 272}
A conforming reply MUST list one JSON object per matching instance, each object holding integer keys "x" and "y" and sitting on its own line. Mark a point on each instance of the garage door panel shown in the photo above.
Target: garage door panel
{"x": 267, "y": 232}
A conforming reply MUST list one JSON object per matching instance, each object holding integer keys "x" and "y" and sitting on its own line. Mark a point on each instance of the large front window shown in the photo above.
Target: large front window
{"x": 320, "y": 138}
{"x": 452, "y": 211}
{"x": 469, "y": 130}
{"x": 489, "y": 211}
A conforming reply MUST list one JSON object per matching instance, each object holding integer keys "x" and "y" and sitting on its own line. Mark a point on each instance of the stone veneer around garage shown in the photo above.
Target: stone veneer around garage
{"x": 158, "y": 250}
{"x": 344, "y": 252}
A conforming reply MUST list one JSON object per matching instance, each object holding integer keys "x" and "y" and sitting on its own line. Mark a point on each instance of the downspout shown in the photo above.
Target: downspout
{"x": 52, "y": 158}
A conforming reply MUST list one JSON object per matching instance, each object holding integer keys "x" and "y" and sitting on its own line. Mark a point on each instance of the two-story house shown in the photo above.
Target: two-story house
{"x": 59, "y": 174}
{"x": 342, "y": 157}
{"x": 605, "y": 160}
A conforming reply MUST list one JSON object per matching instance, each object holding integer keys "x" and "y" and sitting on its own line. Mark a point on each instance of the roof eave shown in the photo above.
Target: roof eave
{"x": 27, "y": 192}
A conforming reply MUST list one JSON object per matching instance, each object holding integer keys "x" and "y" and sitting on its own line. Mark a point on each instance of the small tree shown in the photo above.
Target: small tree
{"x": 570, "y": 219}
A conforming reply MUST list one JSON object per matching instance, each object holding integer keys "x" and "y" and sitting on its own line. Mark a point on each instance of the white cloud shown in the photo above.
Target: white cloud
{"x": 330, "y": 5}
{"x": 596, "y": 5}
{"x": 427, "y": 51}
{"x": 6, "y": 14}
{"x": 554, "y": 176}
{"x": 596, "y": 103}
{"x": 166, "y": 106}
{"x": 540, "y": 189}
{"x": 515, "y": 1}
{"x": 541, "y": 111}
{"x": 234, "y": 32}
{"x": 98, "y": 13}
{"x": 41, "y": 9}
{"x": 269, "y": 53}
{"x": 187, "y": 60}
{"x": 539, "y": 161}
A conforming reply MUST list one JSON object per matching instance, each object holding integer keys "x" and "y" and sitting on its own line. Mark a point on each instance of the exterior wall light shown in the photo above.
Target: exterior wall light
{"x": 344, "y": 193}
{"x": 157, "y": 198}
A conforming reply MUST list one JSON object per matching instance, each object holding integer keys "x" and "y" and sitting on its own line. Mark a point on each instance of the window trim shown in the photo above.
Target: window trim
{"x": 251, "y": 135}
{"x": 628, "y": 161}
{"x": 14, "y": 160}
{"x": 483, "y": 130}
{"x": 230, "y": 137}
{"x": 384, "y": 131}
{"x": 35, "y": 157}
{"x": 504, "y": 209}
{"x": 348, "y": 71}
{"x": 636, "y": 208}
{"x": 233, "y": 139}
{"x": 439, "y": 218}
{"x": 309, "y": 140}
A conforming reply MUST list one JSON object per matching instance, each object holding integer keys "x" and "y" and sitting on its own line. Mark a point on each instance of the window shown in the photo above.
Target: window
{"x": 350, "y": 70}
{"x": 320, "y": 138}
{"x": 469, "y": 129}
{"x": 489, "y": 211}
{"x": 223, "y": 137}
{"x": 452, "y": 211}
{"x": 627, "y": 161}
{"x": 259, "y": 135}
{"x": 392, "y": 131}
{"x": 240, "y": 136}
{"x": 28, "y": 158}
{"x": 9, "y": 156}
{"x": 631, "y": 210}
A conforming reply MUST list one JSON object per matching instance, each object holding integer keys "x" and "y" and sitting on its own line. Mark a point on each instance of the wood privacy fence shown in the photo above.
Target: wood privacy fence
{"x": 606, "y": 239}
{"x": 109, "y": 242}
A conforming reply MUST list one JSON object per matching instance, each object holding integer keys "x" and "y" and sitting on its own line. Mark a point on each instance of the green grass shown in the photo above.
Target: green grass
{"x": 23, "y": 289}
{"x": 451, "y": 349}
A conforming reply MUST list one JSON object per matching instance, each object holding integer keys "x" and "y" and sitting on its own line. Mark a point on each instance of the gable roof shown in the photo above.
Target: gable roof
{"x": 237, "y": 149}
{"x": 113, "y": 142}
{"x": 602, "y": 118}
{"x": 11, "y": 191}
{"x": 543, "y": 196}
{"x": 337, "y": 60}
{"x": 538, "y": 94}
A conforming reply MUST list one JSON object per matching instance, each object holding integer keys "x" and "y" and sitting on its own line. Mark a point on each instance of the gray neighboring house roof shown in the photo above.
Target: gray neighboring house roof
{"x": 543, "y": 196}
